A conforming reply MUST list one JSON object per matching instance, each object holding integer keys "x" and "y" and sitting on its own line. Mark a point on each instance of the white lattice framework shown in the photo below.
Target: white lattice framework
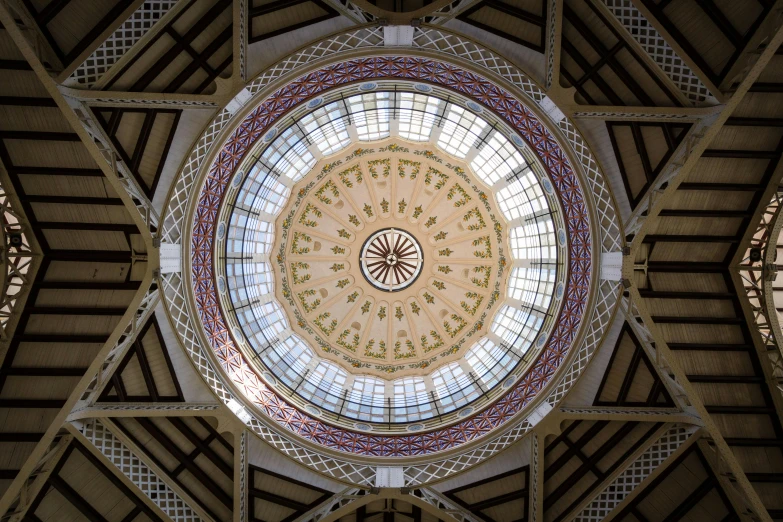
{"x": 35, "y": 482}
{"x": 335, "y": 502}
{"x": 116, "y": 165}
{"x": 353, "y": 11}
{"x": 142, "y": 313}
{"x": 691, "y": 141}
{"x": 339, "y": 465}
{"x": 243, "y": 470}
{"x": 120, "y": 42}
{"x": 153, "y": 486}
{"x": 18, "y": 260}
{"x": 552, "y": 29}
{"x": 447, "y": 12}
{"x": 434, "y": 498}
{"x": 535, "y": 470}
{"x": 641, "y": 468}
{"x": 757, "y": 277}
{"x": 658, "y": 49}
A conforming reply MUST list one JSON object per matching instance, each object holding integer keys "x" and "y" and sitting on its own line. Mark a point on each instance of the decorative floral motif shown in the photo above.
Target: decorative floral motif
{"x": 415, "y": 308}
{"x": 353, "y": 220}
{"x": 351, "y": 346}
{"x": 369, "y": 352}
{"x": 399, "y": 354}
{"x": 417, "y": 212}
{"x": 358, "y": 153}
{"x": 479, "y": 224}
{"x": 382, "y": 313}
{"x": 308, "y": 306}
{"x": 429, "y": 155}
{"x": 487, "y": 252}
{"x": 440, "y": 236}
{"x": 310, "y": 209}
{"x": 457, "y": 190}
{"x": 345, "y": 176}
{"x": 445, "y": 269}
{"x": 439, "y": 285}
{"x": 365, "y": 307}
{"x": 338, "y": 250}
{"x": 415, "y": 167}
{"x": 384, "y": 206}
{"x": 343, "y": 233}
{"x": 398, "y": 313}
{"x": 373, "y": 165}
{"x": 329, "y": 187}
{"x": 319, "y": 322}
{"x": 393, "y": 147}
{"x": 296, "y": 275}
{"x": 429, "y": 298}
{"x": 446, "y": 252}
{"x": 401, "y": 206}
{"x": 477, "y": 299}
{"x": 342, "y": 283}
{"x": 442, "y": 178}
{"x": 336, "y": 267}
{"x": 295, "y": 248}
{"x": 352, "y": 297}
{"x": 438, "y": 342}
{"x": 368, "y": 210}
{"x": 454, "y": 330}
{"x": 431, "y": 221}
{"x": 486, "y": 271}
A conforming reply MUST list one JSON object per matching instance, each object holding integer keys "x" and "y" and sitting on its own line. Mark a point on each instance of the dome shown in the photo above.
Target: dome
{"x": 376, "y": 285}
{"x": 316, "y": 176}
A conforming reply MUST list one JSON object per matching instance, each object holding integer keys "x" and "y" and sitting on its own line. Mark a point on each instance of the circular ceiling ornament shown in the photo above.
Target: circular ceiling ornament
{"x": 391, "y": 259}
{"x": 212, "y": 334}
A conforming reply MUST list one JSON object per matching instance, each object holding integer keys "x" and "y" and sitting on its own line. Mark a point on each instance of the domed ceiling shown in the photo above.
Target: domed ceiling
{"x": 410, "y": 249}
{"x": 386, "y": 190}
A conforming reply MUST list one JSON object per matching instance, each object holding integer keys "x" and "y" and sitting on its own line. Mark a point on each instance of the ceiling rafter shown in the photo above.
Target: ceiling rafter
{"x": 318, "y": 11}
{"x": 139, "y": 354}
{"x": 671, "y": 15}
{"x": 57, "y": 10}
{"x": 133, "y": 77}
{"x": 525, "y": 17}
{"x": 308, "y": 496}
{"x": 483, "y": 494}
{"x": 168, "y": 435}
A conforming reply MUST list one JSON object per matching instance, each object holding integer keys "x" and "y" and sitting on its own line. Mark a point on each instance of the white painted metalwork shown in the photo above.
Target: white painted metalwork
{"x": 120, "y": 42}
{"x": 113, "y": 358}
{"x": 37, "y": 479}
{"x": 657, "y": 48}
{"x": 443, "y": 503}
{"x": 144, "y": 478}
{"x": 18, "y": 261}
{"x": 634, "y": 474}
{"x": 106, "y": 149}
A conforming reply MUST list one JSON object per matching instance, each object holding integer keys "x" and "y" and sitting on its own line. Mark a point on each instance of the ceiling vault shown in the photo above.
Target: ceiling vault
{"x": 657, "y": 421}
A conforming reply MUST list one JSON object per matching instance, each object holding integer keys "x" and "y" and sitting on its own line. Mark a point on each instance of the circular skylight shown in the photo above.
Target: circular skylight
{"x": 389, "y": 364}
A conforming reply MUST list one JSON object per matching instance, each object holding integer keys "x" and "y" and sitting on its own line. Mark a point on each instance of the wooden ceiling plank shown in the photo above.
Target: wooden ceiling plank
{"x": 194, "y": 439}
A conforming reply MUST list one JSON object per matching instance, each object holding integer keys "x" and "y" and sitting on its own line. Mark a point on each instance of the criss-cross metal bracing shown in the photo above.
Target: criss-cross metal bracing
{"x": 690, "y": 134}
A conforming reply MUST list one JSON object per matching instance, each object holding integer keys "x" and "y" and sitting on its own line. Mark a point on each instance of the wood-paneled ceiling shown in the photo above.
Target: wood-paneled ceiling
{"x": 686, "y": 364}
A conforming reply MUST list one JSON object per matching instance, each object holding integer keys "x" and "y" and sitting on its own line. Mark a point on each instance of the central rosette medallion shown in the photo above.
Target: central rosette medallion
{"x": 391, "y": 258}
